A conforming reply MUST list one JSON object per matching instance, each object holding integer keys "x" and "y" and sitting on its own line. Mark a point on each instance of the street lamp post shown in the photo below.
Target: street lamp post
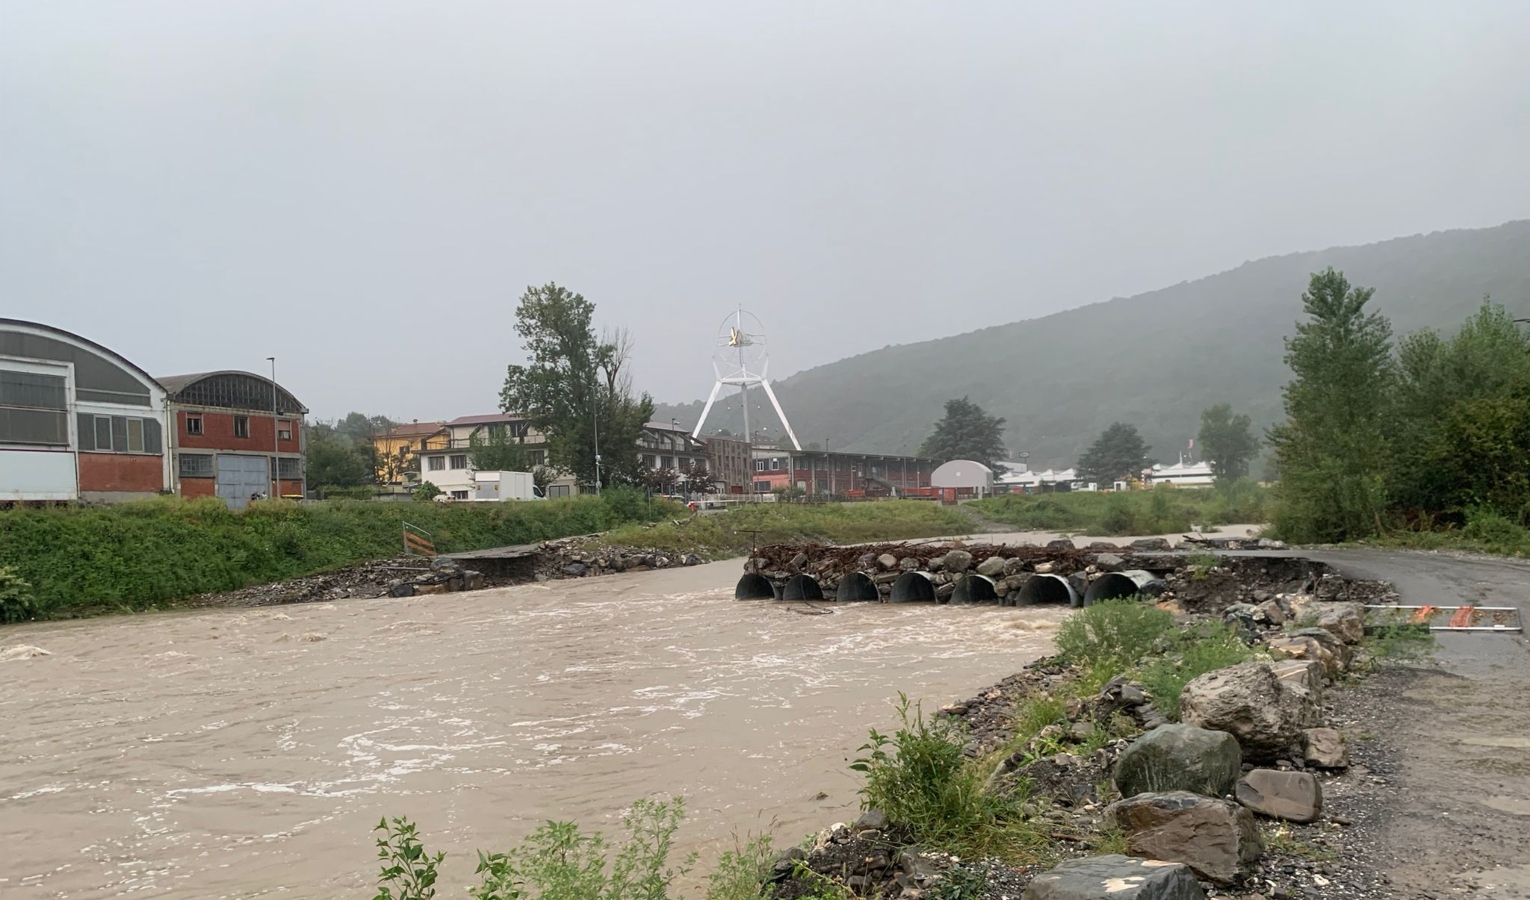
{"x": 276, "y": 436}
{"x": 595, "y": 427}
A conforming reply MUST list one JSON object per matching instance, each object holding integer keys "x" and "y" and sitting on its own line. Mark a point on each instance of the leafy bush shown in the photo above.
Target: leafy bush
{"x": 408, "y": 872}
{"x": 921, "y": 779}
{"x": 1113, "y": 632}
{"x": 560, "y": 862}
{"x": 16, "y": 604}
{"x": 742, "y": 872}
{"x": 1497, "y": 531}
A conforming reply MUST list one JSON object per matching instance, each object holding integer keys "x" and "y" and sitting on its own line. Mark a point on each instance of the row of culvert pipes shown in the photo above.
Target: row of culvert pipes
{"x": 918, "y": 586}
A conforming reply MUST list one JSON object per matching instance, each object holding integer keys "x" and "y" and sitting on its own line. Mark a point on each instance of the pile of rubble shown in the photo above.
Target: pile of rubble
{"x": 443, "y": 576}
{"x": 368, "y": 579}
{"x": 1253, "y": 745}
{"x": 586, "y": 556}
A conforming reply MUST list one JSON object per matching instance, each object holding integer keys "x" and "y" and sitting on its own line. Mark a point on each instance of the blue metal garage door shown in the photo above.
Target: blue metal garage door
{"x": 241, "y": 476}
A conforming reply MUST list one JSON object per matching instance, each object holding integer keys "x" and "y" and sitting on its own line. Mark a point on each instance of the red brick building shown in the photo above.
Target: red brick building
{"x": 230, "y": 428}
{"x": 837, "y": 473}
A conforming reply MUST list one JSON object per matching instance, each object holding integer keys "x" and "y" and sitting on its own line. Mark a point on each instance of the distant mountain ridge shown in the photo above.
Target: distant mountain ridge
{"x": 1154, "y": 360}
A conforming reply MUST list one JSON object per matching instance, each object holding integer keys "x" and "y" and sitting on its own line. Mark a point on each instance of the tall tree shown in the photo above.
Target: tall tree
{"x": 1332, "y": 452}
{"x": 497, "y": 451}
{"x": 1227, "y": 441}
{"x": 1118, "y": 452}
{"x": 966, "y": 432}
{"x": 575, "y": 384}
{"x": 334, "y": 460}
{"x": 1460, "y": 427}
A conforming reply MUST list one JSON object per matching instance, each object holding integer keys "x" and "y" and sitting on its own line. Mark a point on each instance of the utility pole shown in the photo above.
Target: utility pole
{"x": 276, "y": 436}
{"x": 595, "y": 426}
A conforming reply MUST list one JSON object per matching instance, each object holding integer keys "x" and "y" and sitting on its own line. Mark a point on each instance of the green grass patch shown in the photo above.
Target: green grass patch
{"x": 1115, "y": 633}
{"x": 728, "y": 533}
{"x": 1193, "y": 653}
{"x": 137, "y": 556}
{"x": 1162, "y": 510}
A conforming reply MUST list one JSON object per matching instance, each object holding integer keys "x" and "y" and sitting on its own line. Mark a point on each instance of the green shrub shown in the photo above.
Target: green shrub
{"x": 408, "y": 872}
{"x": 1500, "y": 533}
{"x": 1112, "y": 633}
{"x": 735, "y": 530}
{"x": 742, "y": 872}
{"x": 16, "y": 603}
{"x": 921, "y": 779}
{"x": 561, "y": 862}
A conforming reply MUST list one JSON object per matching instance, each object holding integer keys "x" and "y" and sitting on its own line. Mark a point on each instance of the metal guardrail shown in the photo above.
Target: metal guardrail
{"x": 1498, "y": 619}
{"x": 418, "y": 540}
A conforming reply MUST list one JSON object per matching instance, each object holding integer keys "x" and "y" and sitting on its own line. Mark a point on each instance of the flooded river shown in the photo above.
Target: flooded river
{"x": 245, "y": 753}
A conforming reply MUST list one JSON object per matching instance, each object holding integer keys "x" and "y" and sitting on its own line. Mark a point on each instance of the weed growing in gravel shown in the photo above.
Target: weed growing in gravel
{"x": 1401, "y": 642}
{"x": 961, "y": 882}
{"x": 1279, "y": 839}
{"x": 1111, "y": 840}
{"x": 920, "y": 778}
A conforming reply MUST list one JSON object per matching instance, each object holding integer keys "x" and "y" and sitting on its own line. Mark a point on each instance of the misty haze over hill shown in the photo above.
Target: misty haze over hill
{"x": 1154, "y": 360}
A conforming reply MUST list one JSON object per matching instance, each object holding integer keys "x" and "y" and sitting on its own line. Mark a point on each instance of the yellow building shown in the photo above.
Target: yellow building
{"x": 398, "y": 446}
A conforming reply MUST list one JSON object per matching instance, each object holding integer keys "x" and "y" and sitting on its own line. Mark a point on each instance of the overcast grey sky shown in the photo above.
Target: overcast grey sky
{"x": 365, "y": 188}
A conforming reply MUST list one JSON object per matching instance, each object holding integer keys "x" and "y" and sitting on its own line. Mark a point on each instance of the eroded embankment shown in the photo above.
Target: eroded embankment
{"x": 1203, "y": 726}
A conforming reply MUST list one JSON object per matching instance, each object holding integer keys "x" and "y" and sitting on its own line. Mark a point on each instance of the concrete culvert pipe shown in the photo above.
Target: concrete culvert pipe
{"x": 754, "y": 587}
{"x": 913, "y": 587}
{"x": 801, "y": 587}
{"x": 1051, "y": 589}
{"x": 975, "y": 589}
{"x": 1130, "y": 583}
{"x": 856, "y": 586}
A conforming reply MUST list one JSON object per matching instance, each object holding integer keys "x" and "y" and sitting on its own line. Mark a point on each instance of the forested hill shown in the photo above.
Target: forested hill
{"x": 1154, "y": 360}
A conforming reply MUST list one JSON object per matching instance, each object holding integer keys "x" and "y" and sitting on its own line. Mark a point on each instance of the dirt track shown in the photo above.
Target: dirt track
{"x": 1457, "y": 812}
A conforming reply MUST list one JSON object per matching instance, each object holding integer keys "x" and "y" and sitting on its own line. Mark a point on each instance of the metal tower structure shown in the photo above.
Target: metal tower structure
{"x": 741, "y": 358}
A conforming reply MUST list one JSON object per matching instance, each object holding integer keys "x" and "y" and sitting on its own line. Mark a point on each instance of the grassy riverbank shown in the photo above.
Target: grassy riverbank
{"x": 1162, "y": 510}
{"x": 81, "y": 561}
{"x": 731, "y": 533}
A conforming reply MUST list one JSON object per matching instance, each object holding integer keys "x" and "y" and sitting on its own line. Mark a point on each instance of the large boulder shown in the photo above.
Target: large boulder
{"x": 956, "y": 561}
{"x": 1180, "y": 758}
{"x": 1343, "y": 621}
{"x": 1304, "y": 673}
{"x": 1325, "y": 749}
{"x": 1115, "y": 877}
{"x": 1294, "y": 796}
{"x": 1251, "y": 703}
{"x": 1330, "y": 642}
{"x": 1215, "y": 838}
{"x": 1306, "y": 648}
{"x": 993, "y": 566}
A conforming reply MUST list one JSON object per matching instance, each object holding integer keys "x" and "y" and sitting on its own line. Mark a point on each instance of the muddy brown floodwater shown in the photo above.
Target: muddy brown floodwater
{"x": 244, "y": 753}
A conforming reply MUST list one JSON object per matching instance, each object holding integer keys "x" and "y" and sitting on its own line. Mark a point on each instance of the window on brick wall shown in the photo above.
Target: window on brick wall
{"x": 196, "y": 465}
{"x": 289, "y": 468}
{"x": 193, "y": 424}
{"x": 283, "y": 429}
{"x": 241, "y": 426}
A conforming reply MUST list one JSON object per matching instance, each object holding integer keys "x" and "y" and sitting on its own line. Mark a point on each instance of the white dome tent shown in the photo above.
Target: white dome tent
{"x": 966, "y": 476}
